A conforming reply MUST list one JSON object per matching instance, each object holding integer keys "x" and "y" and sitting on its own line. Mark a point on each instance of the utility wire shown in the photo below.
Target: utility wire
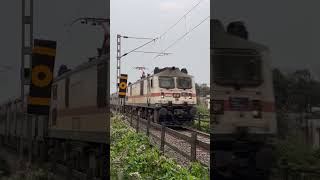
{"x": 5, "y": 68}
{"x": 183, "y": 36}
{"x": 152, "y": 52}
{"x": 180, "y": 19}
{"x": 130, "y": 37}
{"x": 153, "y": 40}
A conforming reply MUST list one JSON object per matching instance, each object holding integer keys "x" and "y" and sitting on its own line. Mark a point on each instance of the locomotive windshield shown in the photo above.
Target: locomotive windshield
{"x": 166, "y": 82}
{"x": 237, "y": 69}
{"x": 184, "y": 83}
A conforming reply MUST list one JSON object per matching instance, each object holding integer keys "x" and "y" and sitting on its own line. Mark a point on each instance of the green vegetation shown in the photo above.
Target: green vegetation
{"x": 295, "y": 92}
{"x": 202, "y": 90}
{"x": 205, "y": 119}
{"x": 29, "y": 174}
{"x": 202, "y": 110}
{"x": 4, "y": 168}
{"x": 132, "y": 157}
{"x": 296, "y": 153}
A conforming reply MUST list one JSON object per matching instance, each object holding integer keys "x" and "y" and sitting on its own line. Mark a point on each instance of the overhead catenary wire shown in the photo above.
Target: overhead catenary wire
{"x": 153, "y": 40}
{"x": 131, "y": 37}
{"x": 188, "y": 32}
{"x": 184, "y": 16}
{"x": 171, "y": 27}
{"x": 152, "y": 52}
{"x": 164, "y": 33}
{"x": 6, "y": 68}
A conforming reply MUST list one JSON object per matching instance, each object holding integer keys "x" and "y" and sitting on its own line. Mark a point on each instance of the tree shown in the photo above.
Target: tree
{"x": 280, "y": 84}
{"x": 202, "y": 90}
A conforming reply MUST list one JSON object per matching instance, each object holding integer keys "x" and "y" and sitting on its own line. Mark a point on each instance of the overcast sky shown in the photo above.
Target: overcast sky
{"x": 146, "y": 18}
{"x": 289, "y": 27}
{"x": 51, "y": 18}
{"x": 150, "y": 18}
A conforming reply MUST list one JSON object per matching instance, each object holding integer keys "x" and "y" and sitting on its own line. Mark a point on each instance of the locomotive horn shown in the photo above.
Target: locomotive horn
{"x": 184, "y": 70}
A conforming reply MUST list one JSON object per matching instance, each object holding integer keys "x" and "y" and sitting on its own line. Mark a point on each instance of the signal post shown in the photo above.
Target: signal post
{"x": 122, "y": 90}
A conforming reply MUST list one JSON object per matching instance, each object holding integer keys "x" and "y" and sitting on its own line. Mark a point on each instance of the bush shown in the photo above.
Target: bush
{"x": 296, "y": 153}
{"x": 202, "y": 110}
{"x": 30, "y": 174}
{"x": 132, "y": 157}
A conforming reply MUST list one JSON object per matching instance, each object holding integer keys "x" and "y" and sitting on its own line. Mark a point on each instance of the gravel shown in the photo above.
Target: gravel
{"x": 202, "y": 155}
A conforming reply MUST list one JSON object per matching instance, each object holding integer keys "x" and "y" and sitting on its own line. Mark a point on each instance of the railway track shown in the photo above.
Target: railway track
{"x": 202, "y": 136}
{"x": 177, "y": 143}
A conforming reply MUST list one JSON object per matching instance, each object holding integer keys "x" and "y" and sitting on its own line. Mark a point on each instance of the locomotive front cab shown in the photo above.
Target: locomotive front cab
{"x": 174, "y": 96}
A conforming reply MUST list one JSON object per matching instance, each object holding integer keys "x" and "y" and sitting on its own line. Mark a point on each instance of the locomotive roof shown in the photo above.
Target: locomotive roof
{"x": 221, "y": 39}
{"x": 172, "y": 72}
{"x": 81, "y": 67}
{"x": 169, "y": 72}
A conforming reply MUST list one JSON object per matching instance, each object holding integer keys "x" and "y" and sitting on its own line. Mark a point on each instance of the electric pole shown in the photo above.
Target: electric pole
{"x": 26, "y": 50}
{"x": 119, "y": 56}
{"x": 118, "y": 63}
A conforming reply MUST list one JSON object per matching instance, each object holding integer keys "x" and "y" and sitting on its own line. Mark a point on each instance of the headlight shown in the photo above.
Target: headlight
{"x": 190, "y": 95}
{"x": 255, "y": 113}
{"x": 162, "y": 95}
{"x": 256, "y": 109}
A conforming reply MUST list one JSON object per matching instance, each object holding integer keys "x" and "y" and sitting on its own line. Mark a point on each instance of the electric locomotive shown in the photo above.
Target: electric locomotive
{"x": 168, "y": 96}
{"x": 242, "y": 109}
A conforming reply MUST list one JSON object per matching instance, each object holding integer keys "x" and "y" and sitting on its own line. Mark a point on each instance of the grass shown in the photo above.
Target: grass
{"x": 133, "y": 157}
{"x": 205, "y": 122}
{"x": 29, "y": 174}
{"x": 296, "y": 153}
{"x": 4, "y": 168}
{"x": 202, "y": 109}
{"x": 204, "y": 126}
